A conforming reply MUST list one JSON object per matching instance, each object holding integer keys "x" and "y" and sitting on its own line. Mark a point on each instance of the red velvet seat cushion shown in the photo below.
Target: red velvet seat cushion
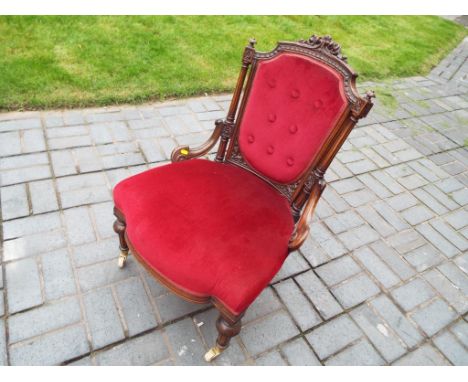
{"x": 293, "y": 106}
{"x": 213, "y": 229}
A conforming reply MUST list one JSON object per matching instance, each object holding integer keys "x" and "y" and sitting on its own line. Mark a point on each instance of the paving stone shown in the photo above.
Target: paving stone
{"x": 338, "y": 270}
{"x": 68, "y": 343}
{"x": 393, "y": 260}
{"x": 442, "y": 197}
{"x": 31, "y": 225}
{"x": 434, "y": 316}
{"x": 355, "y": 290}
{"x": 395, "y": 319}
{"x": 347, "y": 185}
{"x": 298, "y": 353}
{"x": 43, "y": 197}
{"x": 378, "y": 188}
{"x": 405, "y": 241}
{"x": 14, "y": 202}
{"x": 103, "y": 318}
{"x": 412, "y": 294}
{"x": 136, "y": 307}
{"x": 95, "y": 252}
{"x": 297, "y": 304}
{"x": 388, "y": 182}
{"x": 83, "y": 189}
{"x": 460, "y": 330}
{"x": 327, "y": 241}
{"x": 455, "y": 275}
{"x": 379, "y": 333}
{"x": 461, "y": 196}
{"x": 105, "y": 273}
{"x": 59, "y": 280}
{"x": 390, "y": 215}
{"x": 320, "y": 296}
{"x": 104, "y": 218}
{"x": 376, "y": 267}
{"x": 293, "y": 264}
{"x": 141, "y": 351}
{"x": 79, "y": 226}
{"x": 272, "y": 358}
{"x": 264, "y": 304}
{"x": 360, "y": 354}
{"x": 185, "y": 342}
{"x": 20, "y": 124}
{"x": 429, "y": 201}
{"x": 333, "y": 336}
{"x": 451, "y": 348}
{"x": 44, "y": 319}
{"x": 426, "y": 355}
{"x": 2, "y": 304}
{"x": 267, "y": 333}
{"x": 339, "y": 223}
{"x": 314, "y": 253}
{"x": 417, "y": 214}
{"x": 3, "y": 346}
{"x": 451, "y": 235}
{"x": 424, "y": 257}
{"x": 33, "y": 245}
{"x": 458, "y": 219}
{"x": 357, "y": 237}
{"x": 10, "y": 143}
{"x": 376, "y": 221}
{"x": 63, "y": 163}
{"x": 24, "y": 287}
{"x": 462, "y": 262}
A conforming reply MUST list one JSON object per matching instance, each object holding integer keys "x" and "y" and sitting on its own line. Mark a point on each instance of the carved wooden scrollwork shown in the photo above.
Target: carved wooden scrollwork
{"x": 325, "y": 44}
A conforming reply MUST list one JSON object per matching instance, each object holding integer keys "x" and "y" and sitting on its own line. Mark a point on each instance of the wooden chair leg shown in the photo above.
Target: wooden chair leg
{"x": 227, "y": 329}
{"x": 119, "y": 228}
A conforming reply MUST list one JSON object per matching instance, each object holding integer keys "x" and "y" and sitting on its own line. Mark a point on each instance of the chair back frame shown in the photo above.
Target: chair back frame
{"x": 328, "y": 52}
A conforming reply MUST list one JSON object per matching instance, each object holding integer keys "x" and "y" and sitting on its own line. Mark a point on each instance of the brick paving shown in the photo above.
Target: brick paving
{"x": 382, "y": 279}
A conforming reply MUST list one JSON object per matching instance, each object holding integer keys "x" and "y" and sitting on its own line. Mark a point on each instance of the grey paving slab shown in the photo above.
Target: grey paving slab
{"x": 381, "y": 279}
{"x": 68, "y": 343}
{"x": 333, "y": 336}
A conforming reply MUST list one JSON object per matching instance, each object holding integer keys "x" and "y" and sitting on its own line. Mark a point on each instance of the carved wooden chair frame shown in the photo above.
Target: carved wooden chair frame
{"x": 303, "y": 194}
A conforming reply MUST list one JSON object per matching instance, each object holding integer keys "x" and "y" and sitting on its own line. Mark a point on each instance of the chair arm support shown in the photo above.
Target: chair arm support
{"x": 185, "y": 152}
{"x": 302, "y": 227}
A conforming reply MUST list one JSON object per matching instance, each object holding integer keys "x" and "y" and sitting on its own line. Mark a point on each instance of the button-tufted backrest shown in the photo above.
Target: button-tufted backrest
{"x": 293, "y": 105}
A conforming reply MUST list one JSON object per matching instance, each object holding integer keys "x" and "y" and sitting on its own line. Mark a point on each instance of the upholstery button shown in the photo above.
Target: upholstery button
{"x": 293, "y": 129}
{"x": 271, "y": 83}
{"x": 290, "y": 161}
{"x": 250, "y": 138}
{"x": 270, "y": 149}
{"x": 318, "y": 104}
{"x": 295, "y": 93}
{"x": 272, "y": 117}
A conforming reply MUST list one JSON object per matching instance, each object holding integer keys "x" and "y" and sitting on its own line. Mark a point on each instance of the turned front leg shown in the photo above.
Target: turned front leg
{"x": 226, "y": 330}
{"x": 119, "y": 228}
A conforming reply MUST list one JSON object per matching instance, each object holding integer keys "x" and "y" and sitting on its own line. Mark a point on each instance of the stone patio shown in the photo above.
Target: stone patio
{"x": 382, "y": 279}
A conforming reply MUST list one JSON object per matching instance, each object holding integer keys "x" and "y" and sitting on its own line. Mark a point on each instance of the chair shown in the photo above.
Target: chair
{"x": 218, "y": 231}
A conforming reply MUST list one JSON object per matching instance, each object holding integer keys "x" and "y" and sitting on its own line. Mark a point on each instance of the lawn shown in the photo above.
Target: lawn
{"x": 52, "y": 62}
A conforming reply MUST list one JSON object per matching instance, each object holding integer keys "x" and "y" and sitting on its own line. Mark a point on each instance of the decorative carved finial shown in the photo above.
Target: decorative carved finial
{"x": 325, "y": 44}
{"x": 369, "y": 95}
{"x": 249, "y": 52}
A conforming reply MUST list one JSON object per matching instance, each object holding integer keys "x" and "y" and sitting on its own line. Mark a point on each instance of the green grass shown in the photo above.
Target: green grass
{"x": 48, "y": 62}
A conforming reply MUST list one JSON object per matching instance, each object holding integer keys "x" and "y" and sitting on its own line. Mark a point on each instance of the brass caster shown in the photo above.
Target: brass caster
{"x": 213, "y": 353}
{"x": 123, "y": 258}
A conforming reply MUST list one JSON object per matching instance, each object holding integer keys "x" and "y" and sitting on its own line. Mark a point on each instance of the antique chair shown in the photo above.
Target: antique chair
{"x": 218, "y": 231}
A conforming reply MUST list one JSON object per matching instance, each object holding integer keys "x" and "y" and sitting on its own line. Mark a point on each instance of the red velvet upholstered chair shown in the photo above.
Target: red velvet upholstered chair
{"x": 218, "y": 231}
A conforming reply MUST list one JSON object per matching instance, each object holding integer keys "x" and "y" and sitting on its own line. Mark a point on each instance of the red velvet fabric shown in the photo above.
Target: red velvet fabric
{"x": 213, "y": 229}
{"x": 294, "y": 103}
